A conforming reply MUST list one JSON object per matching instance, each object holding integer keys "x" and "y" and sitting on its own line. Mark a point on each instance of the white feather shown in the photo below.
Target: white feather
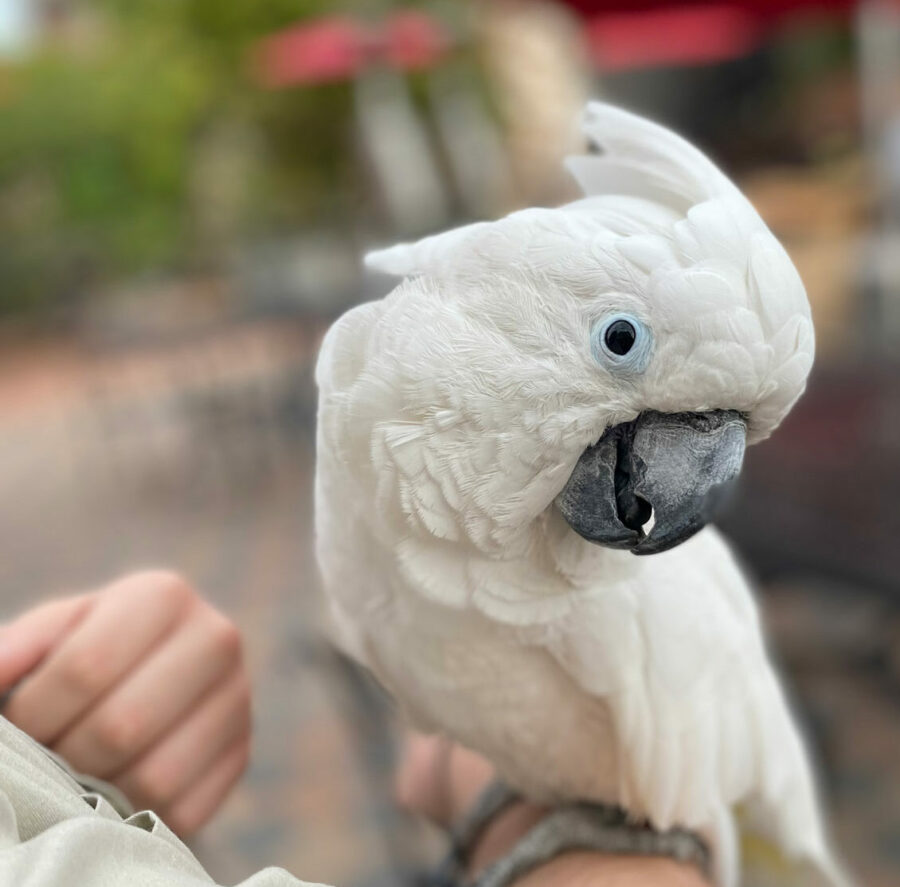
{"x": 451, "y": 415}
{"x": 644, "y": 159}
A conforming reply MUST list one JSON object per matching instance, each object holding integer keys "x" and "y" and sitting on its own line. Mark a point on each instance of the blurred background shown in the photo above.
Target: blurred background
{"x": 185, "y": 189}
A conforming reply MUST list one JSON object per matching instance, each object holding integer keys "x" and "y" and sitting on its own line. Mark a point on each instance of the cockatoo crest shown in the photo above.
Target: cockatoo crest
{"x": 643, "y": 159}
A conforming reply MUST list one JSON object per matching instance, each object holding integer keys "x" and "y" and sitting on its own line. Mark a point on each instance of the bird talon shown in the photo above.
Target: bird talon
{"x": 581, "y": 826}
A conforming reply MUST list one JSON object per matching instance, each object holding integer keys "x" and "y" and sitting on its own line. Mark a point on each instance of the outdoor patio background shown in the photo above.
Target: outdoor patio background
{"x": 198, "y": 456}
{"x": 185, "y": 191}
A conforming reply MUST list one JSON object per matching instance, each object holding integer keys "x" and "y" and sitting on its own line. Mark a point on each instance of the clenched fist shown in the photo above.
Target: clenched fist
{"x": 141, "y": 683}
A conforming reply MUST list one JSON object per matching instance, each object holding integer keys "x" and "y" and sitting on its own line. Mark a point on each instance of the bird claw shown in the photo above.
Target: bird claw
{"x": 579, "y": 826}
{"x": 492, "y": 801}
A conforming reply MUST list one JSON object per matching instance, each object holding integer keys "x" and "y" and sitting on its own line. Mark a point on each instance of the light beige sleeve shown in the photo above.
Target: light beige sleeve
{"x": 54, "y": 834}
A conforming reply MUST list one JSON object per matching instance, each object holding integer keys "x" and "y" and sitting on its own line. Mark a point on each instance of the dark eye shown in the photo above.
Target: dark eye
{"x": 620, "y": 337}
{"x": 621, "y": 343}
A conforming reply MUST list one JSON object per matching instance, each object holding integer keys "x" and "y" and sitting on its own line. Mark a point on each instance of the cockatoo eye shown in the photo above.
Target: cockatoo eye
{"x": 621, "y": 342}
{"x": 619, "y": 337}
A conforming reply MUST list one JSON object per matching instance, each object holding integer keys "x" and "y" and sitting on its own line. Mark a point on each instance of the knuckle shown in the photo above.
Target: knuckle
{"x": 184, "y": 822}
{"x": 22, "y": 712}
{"x": 181, "y": 823}
{"x": 226, "y": 638}
{"x": 120, "y": 732}
{"x": 140, "y": 790}
{"x": 167, "y": 588}
{"x": 156, "y": 783}
{"x": 84, "y": 672}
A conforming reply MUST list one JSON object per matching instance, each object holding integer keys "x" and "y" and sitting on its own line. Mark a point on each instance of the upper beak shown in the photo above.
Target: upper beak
{"x": 675, "y": 467}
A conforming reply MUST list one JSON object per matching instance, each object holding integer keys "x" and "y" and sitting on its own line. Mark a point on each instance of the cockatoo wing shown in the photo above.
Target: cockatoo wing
{"x": 701, "y": 721}
{"x": 339, "y": 518}
{"x": 421, "y": 479}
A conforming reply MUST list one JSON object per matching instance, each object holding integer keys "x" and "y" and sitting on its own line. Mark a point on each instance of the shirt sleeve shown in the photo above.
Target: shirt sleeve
{"x": 53, "y": 833}
{"x": 100, "y": 851}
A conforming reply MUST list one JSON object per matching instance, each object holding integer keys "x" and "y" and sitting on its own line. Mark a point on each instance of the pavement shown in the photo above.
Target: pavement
{"x": 199, "y": 457}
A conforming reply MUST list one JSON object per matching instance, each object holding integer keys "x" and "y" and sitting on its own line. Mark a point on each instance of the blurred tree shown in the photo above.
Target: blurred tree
{"x": 136, "y": 125}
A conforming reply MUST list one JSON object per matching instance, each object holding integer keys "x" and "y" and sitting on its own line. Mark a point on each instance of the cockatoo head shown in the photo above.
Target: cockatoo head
{"x": 610, "y": 358}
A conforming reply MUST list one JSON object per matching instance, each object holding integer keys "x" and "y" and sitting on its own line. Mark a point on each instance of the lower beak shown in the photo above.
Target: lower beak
{"x": 650, "y": 484}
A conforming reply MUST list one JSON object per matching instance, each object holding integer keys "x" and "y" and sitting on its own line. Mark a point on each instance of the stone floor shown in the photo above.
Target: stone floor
{"x": 200, "y": 458}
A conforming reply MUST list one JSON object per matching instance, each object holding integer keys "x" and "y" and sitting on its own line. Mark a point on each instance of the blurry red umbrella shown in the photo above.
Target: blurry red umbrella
{"x": 767, "y": 10}
{"x": 619, "y": 35}
{"x": 648, "y": 33}
{"x": 337, "y": 48}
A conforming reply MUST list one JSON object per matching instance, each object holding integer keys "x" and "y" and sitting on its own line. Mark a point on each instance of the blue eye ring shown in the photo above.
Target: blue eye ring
{"x": 621, "y": 342}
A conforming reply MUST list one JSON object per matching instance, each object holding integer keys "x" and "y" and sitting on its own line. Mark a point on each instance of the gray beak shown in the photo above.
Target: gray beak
{"x": 677, "y": 467}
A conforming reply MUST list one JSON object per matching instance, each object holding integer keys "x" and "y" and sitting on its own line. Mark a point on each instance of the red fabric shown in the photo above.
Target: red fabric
{"x": 768, "y": 10}
{"x": 331, "y": 49}
{"x": 337, "y": 48}
{"x": 413, "y": 40}
{"x": 620, "y": 34}
{"x": 684, "y": 35}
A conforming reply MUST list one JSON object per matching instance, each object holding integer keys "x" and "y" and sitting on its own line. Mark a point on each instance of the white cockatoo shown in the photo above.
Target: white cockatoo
{"x": 539, "y": 400}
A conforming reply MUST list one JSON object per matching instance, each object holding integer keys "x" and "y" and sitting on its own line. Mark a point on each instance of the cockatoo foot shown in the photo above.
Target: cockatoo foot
{"x": 581, "y": 826}
{"x": 491, "y": 802}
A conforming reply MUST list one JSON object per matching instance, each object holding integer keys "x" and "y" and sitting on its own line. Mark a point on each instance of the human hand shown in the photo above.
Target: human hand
{"x": 441, "y": 781}
{"x": 141, "y": 683}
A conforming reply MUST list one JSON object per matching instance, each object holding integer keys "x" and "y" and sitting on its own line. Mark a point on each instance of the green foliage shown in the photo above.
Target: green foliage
{"x": 104, "y": 136}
